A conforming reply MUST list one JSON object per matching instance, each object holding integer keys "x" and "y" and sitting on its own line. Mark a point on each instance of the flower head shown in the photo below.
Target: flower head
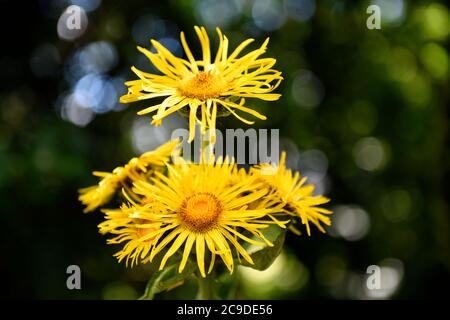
{"x": 96, "y": 196}
{"x": 195, "y": 206}
{"x": 290, "y": 189}
{"x": 207, "y": 84}
{"x": 132, "y": 225}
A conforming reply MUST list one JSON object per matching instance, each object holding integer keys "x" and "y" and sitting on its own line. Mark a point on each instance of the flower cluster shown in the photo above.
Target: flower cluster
{"x": 210, "y": 210}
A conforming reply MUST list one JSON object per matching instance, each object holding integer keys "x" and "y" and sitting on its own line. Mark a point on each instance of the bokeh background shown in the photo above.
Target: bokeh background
{"x": 364, "y": 114}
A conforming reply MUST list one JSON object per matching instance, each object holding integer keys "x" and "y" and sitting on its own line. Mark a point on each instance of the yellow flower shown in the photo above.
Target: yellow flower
{"x": 131, "y": 224}
{"x": 207, "y": 84}
{"x": 297, "y": 197}
{"x": 197, "y": 206}
{"x": 98, "y": 195}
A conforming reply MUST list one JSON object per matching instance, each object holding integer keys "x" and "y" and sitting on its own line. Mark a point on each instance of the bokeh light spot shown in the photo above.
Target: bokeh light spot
{"x": 268, "y": 15}
{"x": 435, "y": 19}
{"x": 285, "y": 275}
{"x": 222, "y": 13}
{"x": 350, "y": 222}
{"x": 70, "y": 27}
{"x": 300, "y": 10}
{"x": 369, "y": 154}
{"x": 435, "y": 59}
{"x": 307, "y": 89}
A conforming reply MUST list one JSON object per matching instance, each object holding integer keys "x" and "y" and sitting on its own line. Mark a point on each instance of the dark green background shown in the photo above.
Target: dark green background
{"x": 389, "y": 84}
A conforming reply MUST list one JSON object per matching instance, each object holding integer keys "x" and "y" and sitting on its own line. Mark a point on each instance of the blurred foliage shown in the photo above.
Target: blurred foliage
{"x": 364, "y": 110}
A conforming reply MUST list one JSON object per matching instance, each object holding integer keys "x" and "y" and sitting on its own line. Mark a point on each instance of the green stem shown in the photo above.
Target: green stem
{"x": 205, "y": 288}
{"x": 207, "y": 149}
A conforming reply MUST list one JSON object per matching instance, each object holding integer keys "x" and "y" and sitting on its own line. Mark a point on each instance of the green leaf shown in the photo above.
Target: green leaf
{"x": 167, "y": 279}
{"x": 264, "y": 256}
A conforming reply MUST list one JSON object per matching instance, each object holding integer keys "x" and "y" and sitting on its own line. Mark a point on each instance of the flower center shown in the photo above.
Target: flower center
{"x": 202, "y": 85}
{"x": 141, "y": 232}
{"x": 200, "y": 212}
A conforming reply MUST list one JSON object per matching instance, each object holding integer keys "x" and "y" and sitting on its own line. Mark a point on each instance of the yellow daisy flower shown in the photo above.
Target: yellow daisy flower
{"x": 98, "y": 195}
{"x": 207, "y": 84}
{"x": 196, "y": 205}
{"x": 131, "y": 224}
{"x": 297, "y": 197}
